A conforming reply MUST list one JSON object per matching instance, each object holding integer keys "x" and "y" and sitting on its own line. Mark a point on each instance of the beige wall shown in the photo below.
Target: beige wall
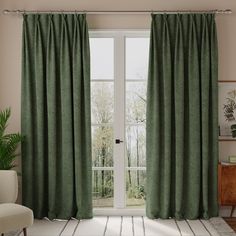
{"x": 10, "y": 39}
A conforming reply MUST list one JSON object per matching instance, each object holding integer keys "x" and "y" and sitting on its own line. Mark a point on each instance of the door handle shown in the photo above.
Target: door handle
{"x": 117, "y": 141}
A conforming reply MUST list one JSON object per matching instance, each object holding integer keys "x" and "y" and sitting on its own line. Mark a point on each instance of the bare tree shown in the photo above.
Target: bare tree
{"x": 102, "y": 110}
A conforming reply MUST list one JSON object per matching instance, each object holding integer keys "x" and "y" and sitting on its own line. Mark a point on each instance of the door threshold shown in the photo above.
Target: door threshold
{"x": 118, "y": 212}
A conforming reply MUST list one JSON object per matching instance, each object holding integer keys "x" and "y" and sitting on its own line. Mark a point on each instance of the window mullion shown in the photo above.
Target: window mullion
{"x": 119, "y": 123}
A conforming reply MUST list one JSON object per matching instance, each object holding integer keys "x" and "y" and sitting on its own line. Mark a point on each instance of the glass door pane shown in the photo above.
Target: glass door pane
{"x": 136, "y": 58}
{"x": 135, "y": 188}
{"x": 136, "y": 85}
{"x": 103, "y": 190}
{"x": 102, "y": 58}
{"x": 102, "y": 118}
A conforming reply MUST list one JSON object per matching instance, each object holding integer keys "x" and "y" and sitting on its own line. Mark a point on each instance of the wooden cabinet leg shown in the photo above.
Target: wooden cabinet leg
{"x": 25, "y": 232}
{"x": 232, "y": 211}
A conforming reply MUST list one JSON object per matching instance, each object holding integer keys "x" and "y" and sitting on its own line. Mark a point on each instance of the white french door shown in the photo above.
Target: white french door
{"x": 119, "y": 64}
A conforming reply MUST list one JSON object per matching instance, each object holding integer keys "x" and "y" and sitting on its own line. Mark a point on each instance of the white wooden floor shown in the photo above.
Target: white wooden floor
{"x": 129, "y": 226}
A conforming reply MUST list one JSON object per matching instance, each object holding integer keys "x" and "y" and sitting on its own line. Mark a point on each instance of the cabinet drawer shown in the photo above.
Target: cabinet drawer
{"x": 227, "y": 184}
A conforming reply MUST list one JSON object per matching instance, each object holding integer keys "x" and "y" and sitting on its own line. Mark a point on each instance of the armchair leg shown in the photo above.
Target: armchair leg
{"x": 2, "y": 234}
{"x": 232, "y": 211}
{"x": 25, "y": 232}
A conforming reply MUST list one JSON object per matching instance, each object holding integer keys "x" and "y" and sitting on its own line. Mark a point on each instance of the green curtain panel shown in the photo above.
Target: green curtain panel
{"x": 182, "y": 117}
{"x": 55, "y": 115}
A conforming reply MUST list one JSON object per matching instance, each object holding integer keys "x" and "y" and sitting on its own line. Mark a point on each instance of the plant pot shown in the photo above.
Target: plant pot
{"x": 233, "y": 130}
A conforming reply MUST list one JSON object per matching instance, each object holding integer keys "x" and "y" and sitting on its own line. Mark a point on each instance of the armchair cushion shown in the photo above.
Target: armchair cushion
{"x": 14, "y": 216}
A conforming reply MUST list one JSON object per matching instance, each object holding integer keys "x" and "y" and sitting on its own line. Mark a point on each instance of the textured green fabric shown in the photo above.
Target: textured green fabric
{"x": 182, "y": 120}
{"x": 56, "y": 156}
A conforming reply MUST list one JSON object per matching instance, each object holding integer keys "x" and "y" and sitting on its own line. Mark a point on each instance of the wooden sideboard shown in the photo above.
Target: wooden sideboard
{"x": 227, "y": 185}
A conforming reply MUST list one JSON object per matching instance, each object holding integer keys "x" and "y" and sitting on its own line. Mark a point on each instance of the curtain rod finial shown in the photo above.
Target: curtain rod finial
{"x": 228, "y": 11}
{"x": 5, "y": 11}
{"x": 14, "y": 11}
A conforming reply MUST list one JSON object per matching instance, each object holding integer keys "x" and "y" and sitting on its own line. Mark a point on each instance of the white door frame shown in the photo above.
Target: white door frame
{"x": 119, "y": 36}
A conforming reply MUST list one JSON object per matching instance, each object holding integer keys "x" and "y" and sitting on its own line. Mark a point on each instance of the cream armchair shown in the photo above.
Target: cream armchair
{"x": 12, "y": 216}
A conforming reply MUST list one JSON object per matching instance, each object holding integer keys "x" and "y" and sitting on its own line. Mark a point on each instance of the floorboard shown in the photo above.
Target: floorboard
{"x": 138, "y": 226}
{"x": 129, "y": 226}
{"x": 46, "y": 228}
{"x": 198, "y": 228}
{"x": 70, "y": 228}
{"x": 160, "y": 227}
{"x": 221, "y": 226}
{"x": 184, "y": 228}
{"x": 91, "y": 227}
{"x": 231, "y": 222}
{"x": 210, "y": 228}
{"x": 113, "y": 226}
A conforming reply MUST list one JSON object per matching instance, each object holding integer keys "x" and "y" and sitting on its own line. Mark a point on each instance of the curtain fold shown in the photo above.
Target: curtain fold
{"x": 182, "y": 117}
{"x": 56, "y": 154}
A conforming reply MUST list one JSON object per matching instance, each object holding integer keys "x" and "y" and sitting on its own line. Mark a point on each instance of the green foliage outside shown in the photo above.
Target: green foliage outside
{"x": 103, "y": 138}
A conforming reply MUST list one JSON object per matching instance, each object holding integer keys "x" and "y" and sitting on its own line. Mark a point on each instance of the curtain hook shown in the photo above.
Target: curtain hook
{"x": 37, "y": 15}
{"x": 51, "y": 14}
{"x": 63, "y": 14}
{"x": 76, "y": 14}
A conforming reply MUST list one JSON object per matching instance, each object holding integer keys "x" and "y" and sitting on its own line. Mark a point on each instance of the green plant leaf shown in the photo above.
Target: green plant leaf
{"x": 8, "y": 143}
{"x": 4, "y": 116}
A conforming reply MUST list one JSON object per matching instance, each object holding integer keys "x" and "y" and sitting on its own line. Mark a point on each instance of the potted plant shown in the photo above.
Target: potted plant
{"x": 8, "y": 142}
{"x": 233, "y": 130}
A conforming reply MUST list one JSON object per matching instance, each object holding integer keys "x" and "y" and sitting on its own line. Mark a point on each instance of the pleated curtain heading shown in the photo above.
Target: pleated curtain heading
{"x": 56, "y": 154}
{"x": 182, "y": 117}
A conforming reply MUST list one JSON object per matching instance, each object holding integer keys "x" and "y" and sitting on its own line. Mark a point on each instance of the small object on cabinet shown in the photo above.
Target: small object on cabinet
{"x": 233, "y": 130}
{"x": 232, "y": 159}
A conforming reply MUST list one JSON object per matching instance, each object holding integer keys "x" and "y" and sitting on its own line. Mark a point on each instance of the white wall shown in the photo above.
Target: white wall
{"x": 11, "y": 26}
